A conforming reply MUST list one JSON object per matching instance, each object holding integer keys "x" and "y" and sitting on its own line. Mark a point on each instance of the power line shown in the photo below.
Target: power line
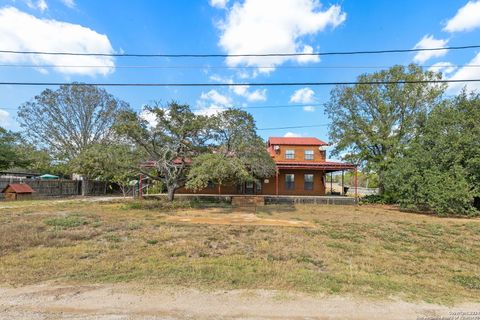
{"x": 247, "y": 107}
{"x": 294, "y": 127}
{"x": 254, "y": 84}
{"x": 225, "y": 67}
{"x": 141, "y": 55}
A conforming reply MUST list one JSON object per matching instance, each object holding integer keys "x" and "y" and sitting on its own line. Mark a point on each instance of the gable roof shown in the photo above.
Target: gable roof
{"x": 294, "y": 141}
{"x": 19, "y": 188}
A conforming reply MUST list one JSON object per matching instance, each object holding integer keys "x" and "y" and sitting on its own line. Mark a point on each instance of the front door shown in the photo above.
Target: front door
{"x": 249, "y": 188}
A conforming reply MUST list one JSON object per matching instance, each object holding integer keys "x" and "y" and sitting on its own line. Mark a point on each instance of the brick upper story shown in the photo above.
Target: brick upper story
{"x": 297, "y": 149}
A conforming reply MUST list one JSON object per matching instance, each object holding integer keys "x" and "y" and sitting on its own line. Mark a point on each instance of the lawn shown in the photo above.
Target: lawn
{"x": 367, "y": 251}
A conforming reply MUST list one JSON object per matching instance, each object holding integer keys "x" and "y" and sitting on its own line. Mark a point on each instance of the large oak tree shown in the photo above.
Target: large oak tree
{"x": 371, "y": 124}
{"x": 70, "y": 119}
{"x": 175, "y": 138}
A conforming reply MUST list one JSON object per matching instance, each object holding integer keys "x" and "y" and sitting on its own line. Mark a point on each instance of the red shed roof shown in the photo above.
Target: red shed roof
{"x": 19, "y": 188}
{"x": 294, "y": 141}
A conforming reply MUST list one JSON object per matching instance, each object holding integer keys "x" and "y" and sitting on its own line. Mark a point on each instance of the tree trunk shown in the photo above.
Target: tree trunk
{"x": 171, "y": 193}
{"x": 84, "y": 187}
{"x": 381, "y": 184}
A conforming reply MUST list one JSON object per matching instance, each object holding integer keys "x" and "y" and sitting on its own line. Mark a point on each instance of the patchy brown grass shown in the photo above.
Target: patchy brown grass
{"x": 374, "y": 251}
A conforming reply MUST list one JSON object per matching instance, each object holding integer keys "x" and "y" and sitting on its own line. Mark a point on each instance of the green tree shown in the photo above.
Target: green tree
{"x": 117, "y": 163}
{"x": 216, "y": 168}
{"x": 176, "y": 138}
{"x": 70, "y": 119}
{"x": 9, "y": 155}
{"x": 238, "y": 153}
{"x": 440, "y": 170}
{"x": 371, "y": 124}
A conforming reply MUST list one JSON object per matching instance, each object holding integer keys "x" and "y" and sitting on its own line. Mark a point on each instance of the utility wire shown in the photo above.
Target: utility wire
{"x": 295, "y": 127}
{"x": 225, "y": 67}
{"x": 241, "y": 108}
{"x": 299, "y": 54}
{"x": 255, "y": 84}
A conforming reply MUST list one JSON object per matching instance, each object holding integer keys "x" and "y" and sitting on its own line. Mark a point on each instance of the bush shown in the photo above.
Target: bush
{"x": 374, "y": 199}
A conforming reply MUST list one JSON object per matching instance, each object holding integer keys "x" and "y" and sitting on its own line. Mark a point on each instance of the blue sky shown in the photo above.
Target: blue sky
{"x": 219, "y": 26}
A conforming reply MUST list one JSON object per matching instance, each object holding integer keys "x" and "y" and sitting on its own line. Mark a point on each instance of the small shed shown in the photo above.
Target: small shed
{"x": 18, "y": 191}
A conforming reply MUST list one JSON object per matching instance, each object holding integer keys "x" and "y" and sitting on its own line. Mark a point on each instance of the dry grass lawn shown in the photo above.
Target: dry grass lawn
{"x": 367, "y": 251}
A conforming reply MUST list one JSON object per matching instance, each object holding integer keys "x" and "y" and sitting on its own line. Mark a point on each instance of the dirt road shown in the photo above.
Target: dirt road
{"x": 50, "y": 301}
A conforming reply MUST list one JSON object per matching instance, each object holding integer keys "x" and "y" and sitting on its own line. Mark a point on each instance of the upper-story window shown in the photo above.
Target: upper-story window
{"x": 308, "y": 154}
{"x": 290, "y": 154}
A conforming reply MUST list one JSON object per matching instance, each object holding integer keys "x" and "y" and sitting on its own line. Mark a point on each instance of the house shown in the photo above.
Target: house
{"x": 301, "y": 169}
{"x": 18, "y": 191}
{"x": 18, "y": 173}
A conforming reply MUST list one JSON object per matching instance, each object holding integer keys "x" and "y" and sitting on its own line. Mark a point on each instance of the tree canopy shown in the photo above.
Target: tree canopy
{"x": 440, "y": 170}
{"x": 9, "y": 153}
{"x": 177, "y": 137}
{"x": 115, "y": 162}
{"x": 372, "y": 124}
{"x": 68, "y": 120}
{"x": 237, "y": 155}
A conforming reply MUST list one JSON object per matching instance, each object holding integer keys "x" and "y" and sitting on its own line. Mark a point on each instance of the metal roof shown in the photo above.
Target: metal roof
{"x": 19, "y": 188}
{"x": 296, "y": 141}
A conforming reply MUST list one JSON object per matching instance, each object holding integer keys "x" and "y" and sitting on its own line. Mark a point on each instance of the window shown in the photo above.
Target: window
{"x": 308, "y": 182}
{"x": 290, "y": 181}
{"x": 210, "y": 185}
{"x": 290, "y": 154}
{"x": 308, "y": 154}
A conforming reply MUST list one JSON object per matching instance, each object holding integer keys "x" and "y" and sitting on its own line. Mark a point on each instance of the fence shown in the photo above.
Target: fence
{"x": 59, "y": 188}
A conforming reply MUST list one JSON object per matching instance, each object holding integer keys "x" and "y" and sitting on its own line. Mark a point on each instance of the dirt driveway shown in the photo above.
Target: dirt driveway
{"x": 50, "y": 301}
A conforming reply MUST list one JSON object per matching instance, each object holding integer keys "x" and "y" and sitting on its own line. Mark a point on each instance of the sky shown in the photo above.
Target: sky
{"x": 229, "y": 27}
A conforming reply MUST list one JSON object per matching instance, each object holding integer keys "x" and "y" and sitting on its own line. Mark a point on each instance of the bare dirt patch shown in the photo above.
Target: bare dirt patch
{"x": 248, "y": 219}
{"x": 50, "y": 301}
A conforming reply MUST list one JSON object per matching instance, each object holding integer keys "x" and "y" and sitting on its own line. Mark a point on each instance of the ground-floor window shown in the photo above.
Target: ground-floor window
{"x": 308, "y": 181}
{"x": 290, "y": 181}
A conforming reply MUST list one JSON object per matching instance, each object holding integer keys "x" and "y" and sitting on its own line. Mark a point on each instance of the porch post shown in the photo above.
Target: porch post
{"x": 140, "y": 191}
{"x": 276, "y": 182}
{"x": 219, "y": 188}
{"x": 356, "y": 185}
{"x": 331, "y": 183}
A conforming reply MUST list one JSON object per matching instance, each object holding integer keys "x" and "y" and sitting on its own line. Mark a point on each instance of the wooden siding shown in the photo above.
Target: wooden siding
{"x": 269, "y": 188}
{"x": 318, "y": 184}
{"x": 318, "y": 156}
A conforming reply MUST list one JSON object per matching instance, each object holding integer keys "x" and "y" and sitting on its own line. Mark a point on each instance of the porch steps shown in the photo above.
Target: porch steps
{"x": 248, "y": 201}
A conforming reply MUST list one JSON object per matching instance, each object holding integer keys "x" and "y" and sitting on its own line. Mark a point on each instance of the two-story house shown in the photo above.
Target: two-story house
{"x": 301, "y": 169}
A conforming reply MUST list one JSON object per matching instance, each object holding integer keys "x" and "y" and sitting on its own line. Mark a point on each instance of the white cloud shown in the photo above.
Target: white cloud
{"x": 38, "y": 4}
{"x": 292, "y": 135}
{"x": 251, "y": 96}
{"x": 150, "y": 117}
{"x": 304, "y": 95}
{"x": 42, "y": 5}
{"x": 23, "y": 32}
{"x": 466, "y": 73}
{"x": 307, "y": 59}
{"x": 467, "y": 18}
{"x": 309, "y": 108}
{"x": 212, "y": 102}
{"x": 428, "y": 41}
{"x": 272, "y": 26}
{"x": 221, "y": 4}
{"x": 445, "y": 67}
{"x": 216, "y": 97}
{"x": 5, "y": 120}
{"x": 69, "y": 3}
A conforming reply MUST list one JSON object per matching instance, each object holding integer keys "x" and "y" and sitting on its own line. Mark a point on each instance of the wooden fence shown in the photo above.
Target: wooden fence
{"x": 59, "y": 188}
